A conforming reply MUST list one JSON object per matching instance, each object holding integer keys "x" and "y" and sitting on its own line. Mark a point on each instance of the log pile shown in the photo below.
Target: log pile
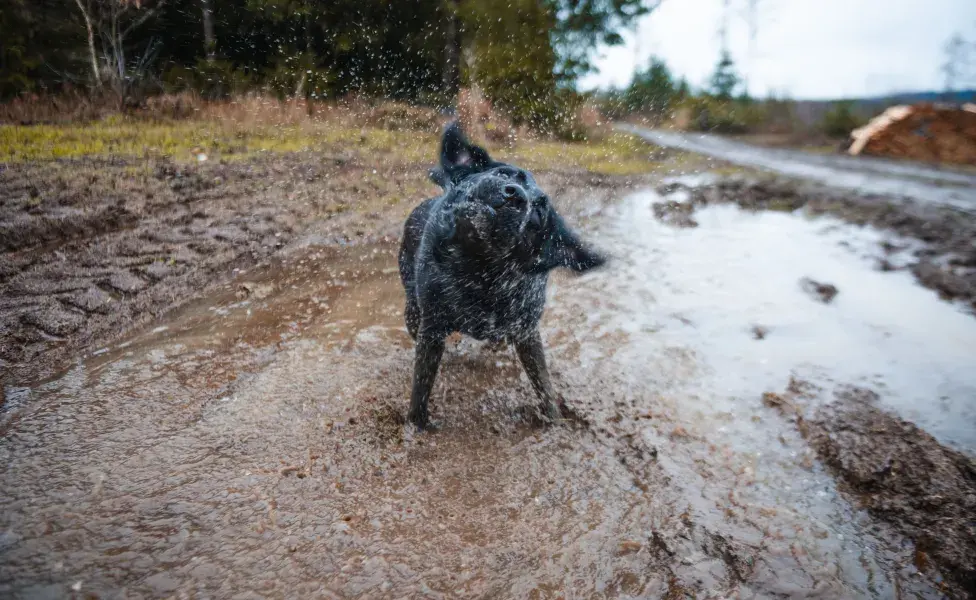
{"x": 923, "y": 132}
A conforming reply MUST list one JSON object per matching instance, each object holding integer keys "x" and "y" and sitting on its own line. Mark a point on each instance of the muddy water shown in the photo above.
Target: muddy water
{"x": 252, "y": 443}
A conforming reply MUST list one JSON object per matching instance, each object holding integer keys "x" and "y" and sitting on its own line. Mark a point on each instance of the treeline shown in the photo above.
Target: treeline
{"x": 724, "y": 106}
{"x": 524, "y": 54}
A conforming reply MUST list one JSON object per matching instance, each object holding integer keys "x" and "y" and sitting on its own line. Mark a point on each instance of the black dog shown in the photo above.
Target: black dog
{"x": 477, "y": 259}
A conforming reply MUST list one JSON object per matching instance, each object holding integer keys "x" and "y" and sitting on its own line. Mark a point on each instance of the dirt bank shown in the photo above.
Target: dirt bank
{"x": 945, "y": 262}
{"x": 898, "y": 472}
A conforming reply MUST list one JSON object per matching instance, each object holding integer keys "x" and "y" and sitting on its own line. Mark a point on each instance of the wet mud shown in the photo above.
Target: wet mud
{"x": 898, "y": 472}
{"x": 255, "y": 445}
{"x": 93, "y": 248}
{"x": 251, "y": 441}
{"x": 90, "y": 249}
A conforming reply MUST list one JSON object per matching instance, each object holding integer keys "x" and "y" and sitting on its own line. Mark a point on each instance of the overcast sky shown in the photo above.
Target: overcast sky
{"x": 803, "y": 48}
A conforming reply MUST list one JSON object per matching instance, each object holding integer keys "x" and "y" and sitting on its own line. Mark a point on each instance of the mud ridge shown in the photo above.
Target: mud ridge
{"x": 898, "y": 472}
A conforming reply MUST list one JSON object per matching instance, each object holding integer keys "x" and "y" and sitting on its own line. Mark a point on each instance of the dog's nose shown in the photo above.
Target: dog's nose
{"x": 513, "y": 192}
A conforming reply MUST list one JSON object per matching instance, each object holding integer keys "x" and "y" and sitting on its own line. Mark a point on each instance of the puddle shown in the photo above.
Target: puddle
{"x": 252, "y": 442}
{"x": 678, "y": 311}
{"x": 704, "y": 291}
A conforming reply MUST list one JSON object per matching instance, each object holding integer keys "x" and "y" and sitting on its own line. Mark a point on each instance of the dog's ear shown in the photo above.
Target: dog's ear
{"x": 459, "y": 157}
{"x": 438, "y": 176}
{"x": 562, "y": 248}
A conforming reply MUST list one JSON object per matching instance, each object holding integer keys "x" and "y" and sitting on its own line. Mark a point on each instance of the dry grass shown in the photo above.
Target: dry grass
{"x": 181, "y": 127}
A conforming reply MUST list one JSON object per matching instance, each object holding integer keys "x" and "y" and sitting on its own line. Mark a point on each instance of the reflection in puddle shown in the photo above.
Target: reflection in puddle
{"x": 705, "y": 290}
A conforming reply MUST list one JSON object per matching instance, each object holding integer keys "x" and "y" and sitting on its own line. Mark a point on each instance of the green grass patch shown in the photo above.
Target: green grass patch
{"x": 614, "y": 154}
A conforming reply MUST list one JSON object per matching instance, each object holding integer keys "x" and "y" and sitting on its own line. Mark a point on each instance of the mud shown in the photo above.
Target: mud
{"x": 945, "y": 261}
{"x": 256, "y": 447}
{"x": 250, "y": 442}
{"x": 95, "y": 248}
{"x": 898, "y": 472}
{"x": 821, "y": 292}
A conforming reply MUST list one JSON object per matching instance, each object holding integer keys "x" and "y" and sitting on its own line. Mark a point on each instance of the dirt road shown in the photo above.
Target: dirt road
{"x": 864, "y": 175}
{"x": 251, "y": 443}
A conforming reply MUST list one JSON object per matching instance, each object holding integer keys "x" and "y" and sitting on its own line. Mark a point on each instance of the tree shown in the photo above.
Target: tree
{"x": 683, "y": 90}
{"x": 581, "y": 25}
{"x": 724, "y": 80}
{"x": 957, "y": 65}
{"x": 527, "y": 53}
{"x": 515, "y": 68}
{"x": 111, "y": 22}
{"x": 652, "y": 90}
{"x": 209, "y": 39}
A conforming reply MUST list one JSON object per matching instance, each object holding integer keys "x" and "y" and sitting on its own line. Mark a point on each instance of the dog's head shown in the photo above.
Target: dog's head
{"x": 501, "y": 215}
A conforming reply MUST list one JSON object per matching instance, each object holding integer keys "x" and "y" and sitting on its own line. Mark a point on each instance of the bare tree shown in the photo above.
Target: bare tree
{"x": 86, "y": 14}
{"x": 209, "y": 40}
{"x": 112, "y": 22}
{"x": 954, "y": 51}
{"x": 450, "y": 76}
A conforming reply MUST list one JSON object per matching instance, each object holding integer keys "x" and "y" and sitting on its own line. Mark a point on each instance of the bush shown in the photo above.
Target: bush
{"x": 213, "y": 80}
{"x": 840, "y": 120}
{"x": 722, "y": 116}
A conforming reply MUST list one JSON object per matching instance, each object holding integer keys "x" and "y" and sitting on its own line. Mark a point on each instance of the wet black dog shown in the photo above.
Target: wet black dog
{"x": 476, "y": 260}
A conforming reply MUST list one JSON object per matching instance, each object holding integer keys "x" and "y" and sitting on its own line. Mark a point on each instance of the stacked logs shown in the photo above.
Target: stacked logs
{"x": 923, "y": 132}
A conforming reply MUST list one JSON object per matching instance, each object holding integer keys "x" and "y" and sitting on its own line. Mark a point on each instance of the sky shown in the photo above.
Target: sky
{"x": 804, "y": 49}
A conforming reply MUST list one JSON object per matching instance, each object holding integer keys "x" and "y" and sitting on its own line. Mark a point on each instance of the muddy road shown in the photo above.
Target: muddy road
{"x": 864, "y": 175}
{"x": 251, "y": 443}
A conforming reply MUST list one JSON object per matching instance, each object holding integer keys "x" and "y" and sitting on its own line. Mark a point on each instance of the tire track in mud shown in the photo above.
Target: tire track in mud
{"x": 96, "y": 247}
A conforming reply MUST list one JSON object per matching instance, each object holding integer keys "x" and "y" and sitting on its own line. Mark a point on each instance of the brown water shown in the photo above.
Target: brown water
{"x": 252, "y": 445}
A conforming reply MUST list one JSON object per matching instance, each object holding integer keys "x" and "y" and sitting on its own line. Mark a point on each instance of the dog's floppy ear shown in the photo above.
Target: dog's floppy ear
{"x": 459, "y": 157}
{"x": 562, "y": 248}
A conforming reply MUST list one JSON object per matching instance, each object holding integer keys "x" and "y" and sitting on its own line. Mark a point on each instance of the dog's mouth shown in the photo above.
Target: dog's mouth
{"x": 473, "y": 222}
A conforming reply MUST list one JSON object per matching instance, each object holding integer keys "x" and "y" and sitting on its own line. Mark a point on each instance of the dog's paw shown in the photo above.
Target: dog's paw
{"x": 550, "y": 412}
{"x": 423, "y": 424}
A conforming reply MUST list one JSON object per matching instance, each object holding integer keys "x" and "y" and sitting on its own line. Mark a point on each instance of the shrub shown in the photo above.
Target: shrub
{"x": 840, "y": 120}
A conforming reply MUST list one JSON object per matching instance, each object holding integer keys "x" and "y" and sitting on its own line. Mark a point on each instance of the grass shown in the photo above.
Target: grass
{"x": 615, "y": 154}
{"x": 245, "y": 130}
{"x": 180, "y": 140}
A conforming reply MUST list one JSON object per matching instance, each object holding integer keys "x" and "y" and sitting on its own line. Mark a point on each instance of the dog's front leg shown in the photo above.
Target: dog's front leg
{"x": 428, "y": 358}
{"x": 533, "y": 359}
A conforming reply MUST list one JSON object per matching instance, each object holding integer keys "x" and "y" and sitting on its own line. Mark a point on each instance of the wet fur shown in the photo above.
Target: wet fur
{"x": 476, "y": 260}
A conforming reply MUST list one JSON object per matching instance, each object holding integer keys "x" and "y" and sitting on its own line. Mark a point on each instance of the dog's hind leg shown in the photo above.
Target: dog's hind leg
{"x": 533, "y": 358}
{"x": 427, "y": 360}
